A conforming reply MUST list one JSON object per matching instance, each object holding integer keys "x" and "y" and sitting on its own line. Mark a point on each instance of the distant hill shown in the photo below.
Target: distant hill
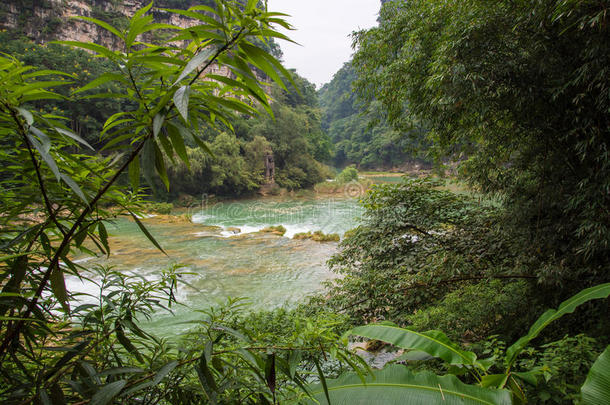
{"x": 360, "y": 137}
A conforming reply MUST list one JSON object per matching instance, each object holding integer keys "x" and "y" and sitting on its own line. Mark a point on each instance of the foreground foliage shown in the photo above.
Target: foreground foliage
{"x": 518, "y": 92}
{"x": 492, "y": 388}
{"x": 56, "y": 203}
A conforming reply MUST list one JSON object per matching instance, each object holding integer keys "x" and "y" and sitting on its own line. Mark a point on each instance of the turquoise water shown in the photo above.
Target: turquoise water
{"x": 269, "y": 270}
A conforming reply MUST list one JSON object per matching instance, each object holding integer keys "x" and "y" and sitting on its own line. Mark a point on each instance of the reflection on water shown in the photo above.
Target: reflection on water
{"x": 270, "y": 270}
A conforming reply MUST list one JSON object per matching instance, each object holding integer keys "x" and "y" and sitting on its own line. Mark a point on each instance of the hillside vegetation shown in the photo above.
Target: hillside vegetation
{"x": 496, "y": 295}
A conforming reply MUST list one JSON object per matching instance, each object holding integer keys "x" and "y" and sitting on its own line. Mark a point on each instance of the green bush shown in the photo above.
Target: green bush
{"x": 160, "y": 208}
{"x": 348, "y": 174}
{"x": 565, "y": 363}
{"x": 462, "y": 315}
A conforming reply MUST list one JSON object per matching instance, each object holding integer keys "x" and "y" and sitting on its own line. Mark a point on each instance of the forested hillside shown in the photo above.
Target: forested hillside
{"x": 492, "y": 287}
{"x": 362, "y": 135}
{"x": 300, "y": 147}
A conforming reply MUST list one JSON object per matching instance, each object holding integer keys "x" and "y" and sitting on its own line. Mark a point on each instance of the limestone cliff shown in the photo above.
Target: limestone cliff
{"x": 48, "y": 20}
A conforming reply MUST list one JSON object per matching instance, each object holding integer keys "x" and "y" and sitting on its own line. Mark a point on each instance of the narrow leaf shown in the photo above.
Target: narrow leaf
{"x": 75, "y": 187}
{"x": 45, "y": 156}
{"x": 134, "y": 173}
{"x": 107, "y": 393}
{"x": 181, "y": 100}
{"x": 146, "y": 232}
{"x": 102, "y": 24}
{"x": 322, "y": 381}
{"x": 164, "y": 371}
{"x": 195, "y": 62}
{"x": 178, "y": 143}
{"x": 58, "y": 286}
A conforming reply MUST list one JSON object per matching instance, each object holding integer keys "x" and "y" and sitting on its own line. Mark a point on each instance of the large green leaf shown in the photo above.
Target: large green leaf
{"x": 433, "y": 342}
{"x": 398, "y": 385}
{"x": 566, "y": 307}
{"x": 596, "y": 389}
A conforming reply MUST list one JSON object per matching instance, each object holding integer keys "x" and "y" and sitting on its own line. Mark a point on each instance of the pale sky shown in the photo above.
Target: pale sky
{"x": 323, "y": 29}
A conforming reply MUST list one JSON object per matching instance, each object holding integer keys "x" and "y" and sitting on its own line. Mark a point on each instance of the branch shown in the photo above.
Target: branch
{"x": 36, "y": 165}
{"x": 68, "y": 236}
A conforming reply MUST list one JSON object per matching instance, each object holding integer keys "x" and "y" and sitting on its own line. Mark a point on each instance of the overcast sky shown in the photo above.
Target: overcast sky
{"x": 323, "y": 29}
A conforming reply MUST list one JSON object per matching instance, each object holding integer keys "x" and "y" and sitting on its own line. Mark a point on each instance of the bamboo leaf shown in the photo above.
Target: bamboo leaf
{"x": 102, "y": 79}
{"x": 134, "y": 173}
{"x": 106, "y": 394}
{"x": 160, "y": 167}
{"x": 322, "y": 381}
{"x": 75, "y": 187}
{"x": 158, "y": 124}
{"x": 29, "y": 118}
{"x": 181, "y": 101}
{"x": 195, "y": 62}
{"x": 72, "y": 135}
{"x": 103, "y": 236}
{"x": 58, "y": 286}
{"x": 102, "y": 50}
{"x": 148, "y": 162}
{"x": 102, "y": 24}
{"x": 146, "y": 232}
{"x": 178, "y": 143}
{"x": 270, "y": 372}
{"x": 126, "y": 343}
{"x": 164, "y": 371}
{"x": 207, "y": 379}
{"x": 45, "y": 156}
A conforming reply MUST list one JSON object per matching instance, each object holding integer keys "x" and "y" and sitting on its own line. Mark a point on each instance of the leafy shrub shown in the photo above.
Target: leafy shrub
{"x": 348, "y": 174}
{"x": 473, "y": 312}
{"x": 565, "y": 363}
{"x": 160, "y": 208}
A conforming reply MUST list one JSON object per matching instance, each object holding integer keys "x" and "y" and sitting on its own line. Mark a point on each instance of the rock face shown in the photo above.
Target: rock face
{"x": 48, "y": 20}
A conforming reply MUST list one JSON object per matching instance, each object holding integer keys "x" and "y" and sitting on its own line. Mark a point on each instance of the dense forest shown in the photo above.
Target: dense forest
{"x": 494, "y": 295}
{"x": 294, "y": 136}
{"x": 362, "y": 136}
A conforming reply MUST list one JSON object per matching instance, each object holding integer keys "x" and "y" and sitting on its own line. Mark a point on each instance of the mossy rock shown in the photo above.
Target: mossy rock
{"x": 276, "y": 230}
{"x": 318, "y": 236}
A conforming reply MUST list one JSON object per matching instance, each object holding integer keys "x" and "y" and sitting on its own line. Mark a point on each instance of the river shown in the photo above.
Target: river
{"x": 268, "y": 270}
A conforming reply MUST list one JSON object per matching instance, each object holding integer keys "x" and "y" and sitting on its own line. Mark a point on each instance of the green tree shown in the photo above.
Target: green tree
{"x": 55, "y": 202}
{"x": 519, "y": 93}
{"x": 362, "y": 135}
